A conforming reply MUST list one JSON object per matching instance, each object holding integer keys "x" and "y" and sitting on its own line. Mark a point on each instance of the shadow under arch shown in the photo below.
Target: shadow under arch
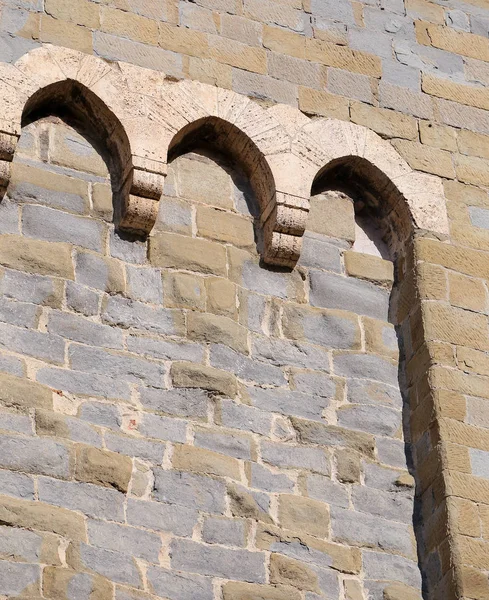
{"x": 218, "y": 135}
{"x": 377, "y": 200}
{"x": 83, "y": 110}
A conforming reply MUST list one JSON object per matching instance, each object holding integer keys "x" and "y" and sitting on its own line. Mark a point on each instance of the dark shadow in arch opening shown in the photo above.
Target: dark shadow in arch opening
{"x": 83, "y": 110}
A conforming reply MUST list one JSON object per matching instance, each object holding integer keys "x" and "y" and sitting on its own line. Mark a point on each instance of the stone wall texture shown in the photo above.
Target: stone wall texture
{"x": 244, "y": 366}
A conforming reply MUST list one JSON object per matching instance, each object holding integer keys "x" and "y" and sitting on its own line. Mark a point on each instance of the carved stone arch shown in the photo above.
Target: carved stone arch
{"x": 340, "y": 150}
{"x": 95, "y": 91}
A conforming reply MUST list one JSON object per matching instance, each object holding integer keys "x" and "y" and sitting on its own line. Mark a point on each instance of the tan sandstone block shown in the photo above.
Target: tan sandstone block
{"x": 181, "y": 252}
{"x": 198, "y": 376}
{"x": 216, "y": 329}
{"x": 464, "y": 517}
{"x": 225, "y": 227}
{"x": 36, "y": 256}
{"x": 386, "y": 122}
{"x": 474, "y": 583}
{"x": 221, "y": 297}
{"x": 183, "y": 290}
{"x": 287, "y": 571}
{"x": 243, "y": 504}
{"x": 401, "y": 591}
{"x": 472, "y": 170}
{"x": 467, "y": 292}
{"x": 62, "y": 33}
{"x": 81, "y": 12}
{"x": 348, "y": 466}
{"x": 130, "y": 25}
{"x": 473, "y": 144}
{"x": 23, "y": 393}
{"x": 473, "y": 552}
{"x": 342, "y": 57}
{"x": 56, "y": 584}
{"x": 62, "y": 153}
{"x": 237, "y": 54}
{"x": 319, "y": 102}
{"x": 102, "y": 201}
{"x": 426, "y": 10}
{"x": 457, "y": 92}
{"x": 332, "y": 213}
{"x": 283, "y": 41}
{"x": 473, "y": 361}
{"x": 353, "y": 590}
{"x": 200, "y": 460}
{"x": 201, "y": 179}
{"x": 44, "y": 517}
{"x": 426, "y": 159}
{"x": 367, "y": 266}
{"x": 344, "y": 558}
{"x": 183, "y": 40}
{"x": 432, "y": 282}
{"x": 103, "y": 467}
{"x": 438, "y": 136}
{"x": 457, "y": 258}
{"x": 304, "y": 514}
{"x": 484, "y": 517}
{"x": 210, "y": 71}
{"x": 252, "y": 591}
{"x": 455, "y": 325}
{"x": 458, "y": 42}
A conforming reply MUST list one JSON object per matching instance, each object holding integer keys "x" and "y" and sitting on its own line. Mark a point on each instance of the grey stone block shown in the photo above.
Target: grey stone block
{"x": 125, "y": 248}
{"x": 27, "y": 287}
{"x": 57, "y": 226}
{"x": 193, "y": 491}
{"x": 92, "y": 500}
{"x": 82, "y": 330}
{"x": 379, "y": 565}
{"x": 296, "y": 70}
{"x": 247, "y": 418}
{"x": 227, "y": 532}
{"x": 231, "y": 444}
{"x": 374, "y": 42}
{"x": 44, "y": 346}
{"x": 165, "y": 350}
{"x": 299, "y": 550}
{"x": 295, "y": 457}
{"x": 265, "y": 479}
{"x": 317, "y": 384}
{"x": 351, "y": 527}
{"x": 330, "y": 331}
{"x": 179, "y": 586}
{"x": 391, "y": 452}
{"x": 20, "y": 544}
{"x": 9, "y": 212}
{"x": 290, "y": 353}
{"x": 262, "y": 86}
{"x": 144, "y": 284}
{"x": 379, "y": 420}
{"x": 289, "y": 402}
{"x": 397, "y": 74}
{"x": 139, "y": 448}
{"x": 179, "y": 402}
{"x": 116, "y": 567}
{"x": 124, "y": 540}
{"x": 79, "y": 383}
{"x": 361, "y": 391}
{"x": 337, "y": 10}
{"x": 406, "y": 101}
{"x": 323, "y": 489}
{"x": 15, "y": 577}
{"x": 240, "y": 565}
{"x": 255, "y": 306}
{"x": 81, "y": 299}
{"x": 99, "y": 413}
{"x": 127, "y": 313}
{"x": 163, "y": 428}
{"x": 12, "y": 48}
{"x": 399, "y": 26}
{"x": 16, "y": 423}
{"x": 479, "y": 217}
{"x": 127, "y": 368}
{"x": 348, "y": 293}
{"x": 479, "y": 460}
{"x": 245, "y": 368}
{"x": 179, "y": 520}
{"x": 380, "y": 477}
{"x": 24, "y": 192}
{"x": 264, "y": 281}
{"x": 395, "y": 506}
{"x": 317, "y": 253}
{"x": 17, "y": 485}
{"x": 34, "y": 455}
{"x": 366, "y": 366}
{"x": 479, "y": 25}
{"x": 12, "y": 365}
{"x": 78, "y": 431}
{"x": 350, "y": 85}
{"x": 457, "y": 19}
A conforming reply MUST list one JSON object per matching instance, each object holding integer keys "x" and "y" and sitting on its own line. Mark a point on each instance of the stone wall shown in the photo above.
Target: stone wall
{"x": 255, "y": 411}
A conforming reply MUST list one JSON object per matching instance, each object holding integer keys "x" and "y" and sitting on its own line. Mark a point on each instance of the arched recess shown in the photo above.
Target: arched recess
{"x": 405, "y": 205}
{"x": 94, "y": 94}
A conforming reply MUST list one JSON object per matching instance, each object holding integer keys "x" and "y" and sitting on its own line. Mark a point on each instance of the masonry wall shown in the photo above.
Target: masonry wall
{"x": 179, "y": 419}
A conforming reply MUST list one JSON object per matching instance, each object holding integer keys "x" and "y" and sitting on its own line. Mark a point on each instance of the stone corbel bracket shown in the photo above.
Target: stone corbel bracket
{"x": 8, "y": 143}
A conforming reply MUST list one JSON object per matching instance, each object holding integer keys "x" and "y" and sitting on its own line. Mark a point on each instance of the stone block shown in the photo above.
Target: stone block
{"x": 99, "y": 272}
{"x": 385, "y": 122}
{"x": 33, "y": 455}
{"x": 290, "y": 403}
{"x": 439, "y": 136}
{"x": 380, "y": 565}
{"x": 232, "y": 444}
{"x": 17, "y": 485}
{"x": 265, "y": 479}
{"x": 244, "y": 367}
{"x": 177, "y": 402}
{"x": 188, "y": 375}
{"x": 303, "y": 514}
{"x": 79, "y": 383}
{"x": 205, "y": 327}
{"x": 136, "y": 447}
{"x": 81, "y": 299}
{"x": 366, "y": 366}
{"x": 295, "y": 457}
{"x": 241, "y": 565}
{"x": 100, "y": 413}
{"x": 380, "y": 420}
{"x": 193, "y": 491}
{"x": 57, "y": 226}
{"x": 323, "y": 489}
{"x": 249, "y": 591}
{"x": 65, "y": 583}
{"x": 124, "y": 540}
{"x": 57, "y": 425}
{"x": 225, "y": 227}
{"x": 36, "y": 289}
{"x": 223, "y": 531}
{"x": 16, "y": 577}
{"x": 36, "y": 256}
{"x": 163, "y": 428}
{"x": 199, "y": 460}
{"x": 144, "y": 284}
{"x": 317, "y": 250}
{"x": 112, "y": 565}
{"x": 332, "y": 214}
{"x": 179, "y": 520}
{"x": 249, "y": 504}
{"x": 350, "y": 85}
{"x": 426, "y": 159}
{"x": 21, "y": 393}
{"x": 221, "y": 297}
{"x": 179, "y": 585}
{"x": 317, "y": 102}
{"x": 247, "y": 418}
{"x": 103, "y": 468}
{"x": 82, "y": 330}
{"x": 183, "y": 290}
{"x": 201, "y": 179}
{"x": 127, "y": 313}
